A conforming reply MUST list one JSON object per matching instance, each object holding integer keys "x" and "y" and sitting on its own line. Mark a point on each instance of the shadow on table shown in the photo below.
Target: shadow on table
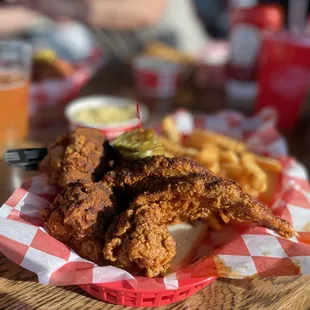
{"x": 249, "y": 283}
{"x": 12, "y": 271}
{"x": 7, "y": 301}
{"x": 77, "y": 290}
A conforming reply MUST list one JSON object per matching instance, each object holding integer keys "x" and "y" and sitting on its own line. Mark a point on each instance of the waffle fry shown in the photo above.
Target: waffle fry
{"x": 229, "y": 157}
{"x": 267, "y": 197}
{"x": 200, "y": 138}
{"x": 268, "y": 164}
{"x": 232, "y": 171}
{"x": 176, "y": 149}
{"x": 170, "y": 129}
{"x": 257, "y": 178}
{"x": 208, "y": 156}
{"x": 225, "y": 157}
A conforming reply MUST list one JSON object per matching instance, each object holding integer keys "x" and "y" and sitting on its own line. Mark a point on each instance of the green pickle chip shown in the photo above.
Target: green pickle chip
{"x": 138, "y": 144}
{"x": 139, "y": 139}
{"x": 143, "y": 154}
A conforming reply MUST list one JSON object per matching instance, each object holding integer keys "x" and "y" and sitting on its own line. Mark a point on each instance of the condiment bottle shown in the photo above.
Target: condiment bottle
{"x": 249, "y": 23}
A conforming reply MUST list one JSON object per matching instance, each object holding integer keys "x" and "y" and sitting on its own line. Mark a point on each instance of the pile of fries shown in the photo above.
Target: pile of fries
{"x": 225, "y": 157}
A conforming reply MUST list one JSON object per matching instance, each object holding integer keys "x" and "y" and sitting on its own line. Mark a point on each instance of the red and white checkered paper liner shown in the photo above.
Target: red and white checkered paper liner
{"x": 52, "y": 92}
{"x": 236, "y": 251}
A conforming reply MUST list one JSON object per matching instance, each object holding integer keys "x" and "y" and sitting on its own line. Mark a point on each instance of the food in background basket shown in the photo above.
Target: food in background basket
{"x": 168, "y": 53}
{"x": 225, "y": 157}
{"x": 48, "y": 66}
{"x": 125, "y": 218}
{"x": 105, "y": 114}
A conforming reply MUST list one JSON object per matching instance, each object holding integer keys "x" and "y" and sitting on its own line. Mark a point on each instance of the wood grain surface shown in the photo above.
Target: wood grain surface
{"x": 19, "y": 288}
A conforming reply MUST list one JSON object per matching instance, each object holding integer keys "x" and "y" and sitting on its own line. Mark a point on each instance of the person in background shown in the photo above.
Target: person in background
{"x": 180, "y": 19}
{"x": 215, "y": 16}
{"x": 15, "y": 19}
{"x": 123, "y": 27}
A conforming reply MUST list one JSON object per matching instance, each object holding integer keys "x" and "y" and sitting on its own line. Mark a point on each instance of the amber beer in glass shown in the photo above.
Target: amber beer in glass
{"x": 15, "y": 64}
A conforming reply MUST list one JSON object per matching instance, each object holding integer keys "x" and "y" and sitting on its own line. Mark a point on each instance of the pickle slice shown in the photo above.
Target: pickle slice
{"x": 142, "y": 154}
{"x": 138, "y": 144}
{"x": 136, "y": 140}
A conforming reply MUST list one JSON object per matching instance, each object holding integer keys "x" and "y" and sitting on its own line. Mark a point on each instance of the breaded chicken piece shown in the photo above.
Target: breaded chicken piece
{"x": 88, "y": 248}
{"x": 135, "y": 174}
{"x": 75, "y": 156}
{"x": 131, "y": 240}
{"x": 80, "y": 215}
{"x": 147, "y": 174}
{"x": 137, "y": 242}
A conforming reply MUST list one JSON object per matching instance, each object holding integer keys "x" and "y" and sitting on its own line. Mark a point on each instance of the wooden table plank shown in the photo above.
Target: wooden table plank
{"x": 19, "y": 289}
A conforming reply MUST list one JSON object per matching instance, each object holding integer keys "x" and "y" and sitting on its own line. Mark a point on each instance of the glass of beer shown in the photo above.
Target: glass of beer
{"x": 15, "y": 67}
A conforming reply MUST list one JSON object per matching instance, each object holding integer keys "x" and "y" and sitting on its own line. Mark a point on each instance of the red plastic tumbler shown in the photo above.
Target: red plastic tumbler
{"x": 283, "y": 75}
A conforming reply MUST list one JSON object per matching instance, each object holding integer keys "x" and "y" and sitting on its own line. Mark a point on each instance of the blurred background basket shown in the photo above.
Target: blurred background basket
{"x": 50, "y": 93}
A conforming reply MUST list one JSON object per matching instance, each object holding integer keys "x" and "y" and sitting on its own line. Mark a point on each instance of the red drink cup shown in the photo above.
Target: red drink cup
{"x": 211, "y": 71}
{"x": 283, "y": 75}
{"x": 156, "y": 78}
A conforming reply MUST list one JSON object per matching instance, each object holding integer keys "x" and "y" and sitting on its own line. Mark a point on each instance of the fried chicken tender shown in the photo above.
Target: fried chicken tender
{"x": 137, "y": 241}
{"x": 79, "y": 217}
{"x": 140, "y": 237}
{"x": 141, "y": 174}
{"x": 75, "y": 156}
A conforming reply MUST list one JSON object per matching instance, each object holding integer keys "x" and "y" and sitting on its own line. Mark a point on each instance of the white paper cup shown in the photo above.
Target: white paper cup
{"x": 109, "y": 130}
{"x": 156, "y": 78}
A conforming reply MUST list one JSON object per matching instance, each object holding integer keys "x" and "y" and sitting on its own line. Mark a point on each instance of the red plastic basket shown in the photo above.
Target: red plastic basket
{"x": 121, "y": 292}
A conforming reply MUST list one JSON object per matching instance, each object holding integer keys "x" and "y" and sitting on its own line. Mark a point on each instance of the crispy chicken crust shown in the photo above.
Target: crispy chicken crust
{"x": 124, "y": 219}
{"x": 74, "y": 156}
{"x": 79, "y": 217}
{"x": 142, "y": 173}
{"x": 183, "y": 191}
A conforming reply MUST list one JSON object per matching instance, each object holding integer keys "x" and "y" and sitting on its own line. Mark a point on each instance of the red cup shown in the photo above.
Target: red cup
{"x": 156, "y": 78}
{"x": 211, "y": 71}
{"x": 283, "y": 75}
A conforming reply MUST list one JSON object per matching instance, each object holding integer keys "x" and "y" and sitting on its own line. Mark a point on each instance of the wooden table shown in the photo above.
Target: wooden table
{"x": 19, "y": 288}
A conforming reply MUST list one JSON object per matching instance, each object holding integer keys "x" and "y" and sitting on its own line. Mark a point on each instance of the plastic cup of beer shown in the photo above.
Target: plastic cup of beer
{"x": 15, "y": 66}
